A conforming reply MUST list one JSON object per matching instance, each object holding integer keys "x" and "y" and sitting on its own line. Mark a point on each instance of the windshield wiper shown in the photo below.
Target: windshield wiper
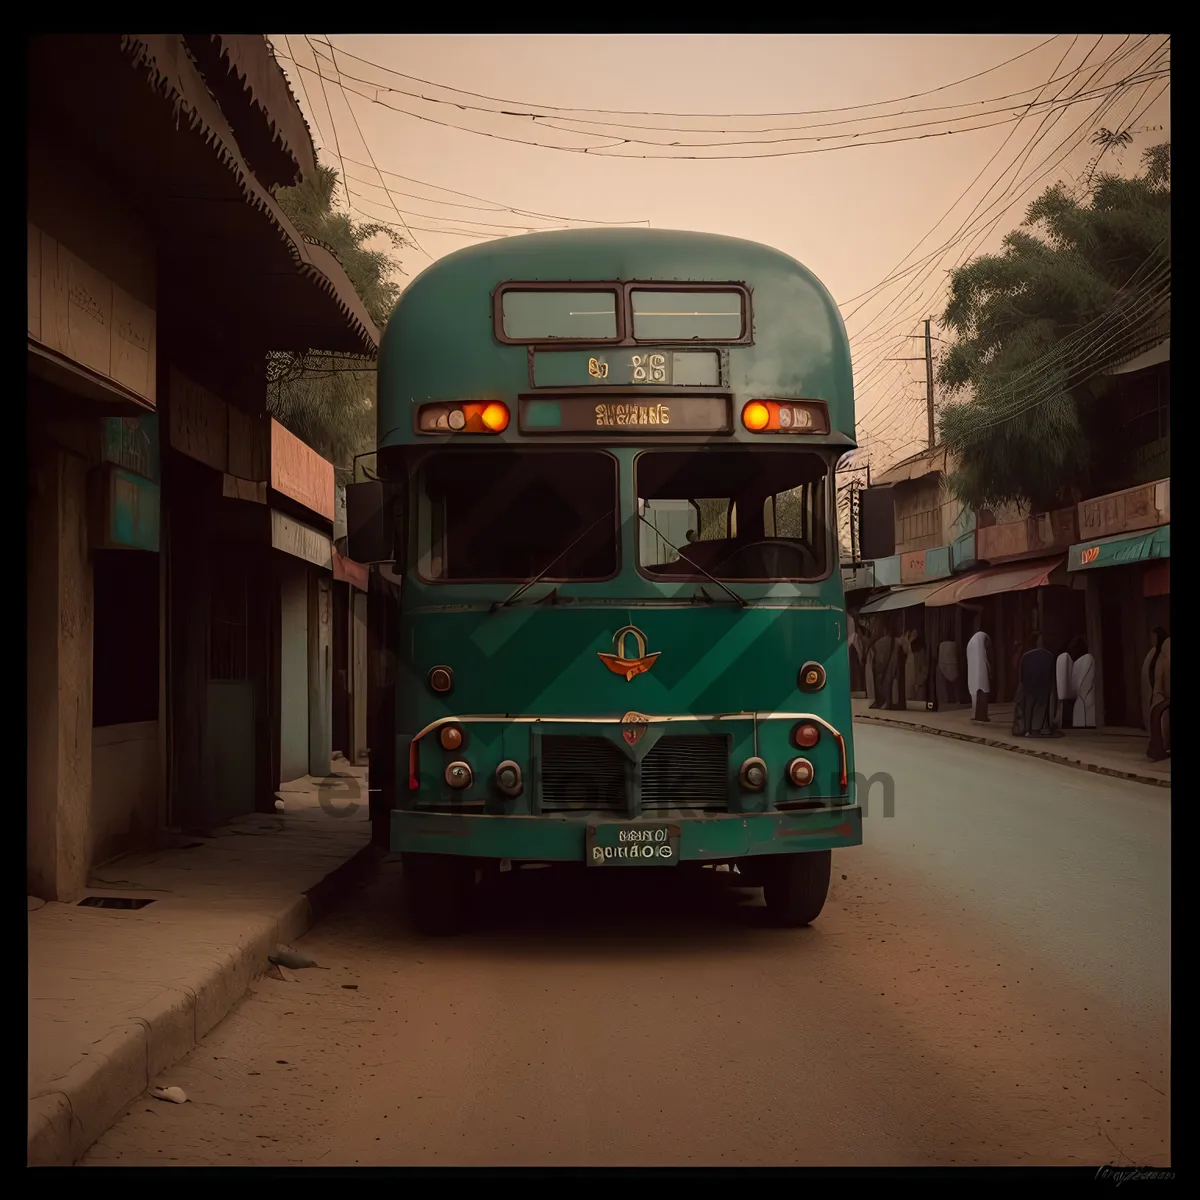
{"x": 498, "y": 604}
{"x": 693, "y": 563}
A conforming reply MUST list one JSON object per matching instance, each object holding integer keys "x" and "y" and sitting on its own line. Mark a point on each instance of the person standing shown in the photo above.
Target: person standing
{"x": 1160, "y": 709}
{"x": 1160, "y": 636}
{"x": 979, "y": 674}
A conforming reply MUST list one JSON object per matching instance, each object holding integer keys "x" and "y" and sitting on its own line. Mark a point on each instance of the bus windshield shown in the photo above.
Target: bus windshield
{"x": 487, "y": 517}
{"x": 740, "y": 514}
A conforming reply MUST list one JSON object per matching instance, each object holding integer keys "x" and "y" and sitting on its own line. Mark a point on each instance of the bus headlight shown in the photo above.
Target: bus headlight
{"x": 753, "y": 775}
{"x": 459, "y": 776}
{"x": 508, "y": 778}
{"x": 800, "y": 772}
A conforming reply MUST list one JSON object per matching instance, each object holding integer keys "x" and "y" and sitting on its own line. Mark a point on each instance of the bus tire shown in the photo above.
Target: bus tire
{"x": 795, "y": 887}
{"x": 438, "y": 889}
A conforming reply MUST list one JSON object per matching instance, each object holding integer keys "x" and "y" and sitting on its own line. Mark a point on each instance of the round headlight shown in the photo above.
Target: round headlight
{"x": 753, "y": 775}
{"x": 458, "y": 775}
{"x": 441, "y": 680}
{"x": 800, "y": 772}
{"x": 812, "y": 677}
{"x": 508, "y": 778}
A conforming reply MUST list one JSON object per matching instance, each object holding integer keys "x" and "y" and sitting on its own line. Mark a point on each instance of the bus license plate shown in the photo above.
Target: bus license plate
{"x": 640, "y": 845}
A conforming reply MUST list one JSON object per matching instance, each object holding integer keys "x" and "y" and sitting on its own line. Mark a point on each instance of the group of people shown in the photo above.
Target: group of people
{"x": 1052, "y": 694}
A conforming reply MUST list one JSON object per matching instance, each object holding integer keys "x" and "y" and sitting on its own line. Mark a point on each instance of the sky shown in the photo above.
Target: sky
{"x": 853, "y": 212}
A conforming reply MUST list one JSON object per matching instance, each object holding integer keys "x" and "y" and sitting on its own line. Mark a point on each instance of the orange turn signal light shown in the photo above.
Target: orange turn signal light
{"x": 786, "y": 416}
{"x": 490, "y": 416}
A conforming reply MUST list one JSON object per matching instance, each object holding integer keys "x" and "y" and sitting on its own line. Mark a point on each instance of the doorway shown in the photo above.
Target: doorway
{"x": 1112, "y": 651}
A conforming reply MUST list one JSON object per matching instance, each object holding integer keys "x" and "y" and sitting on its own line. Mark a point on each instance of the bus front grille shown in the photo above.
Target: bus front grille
{"x": 583, "y": 774}
{"x": 686, "y": 773}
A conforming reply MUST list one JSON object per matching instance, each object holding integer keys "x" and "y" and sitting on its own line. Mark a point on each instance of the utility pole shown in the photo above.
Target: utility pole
{"x": 927, "y": 359}
{"x": 929, "y": 382}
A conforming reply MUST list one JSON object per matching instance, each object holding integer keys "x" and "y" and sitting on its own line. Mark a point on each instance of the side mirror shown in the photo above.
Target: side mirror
{"x": 372, "y": 511}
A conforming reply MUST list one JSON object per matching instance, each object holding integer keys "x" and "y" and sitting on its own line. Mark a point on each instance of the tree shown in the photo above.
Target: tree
{"x": 1072, "y": 290}
{"x": 329, "y": 401}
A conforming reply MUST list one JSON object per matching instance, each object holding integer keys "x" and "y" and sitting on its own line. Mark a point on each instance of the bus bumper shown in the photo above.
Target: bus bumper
{"x": 712, "y": 838}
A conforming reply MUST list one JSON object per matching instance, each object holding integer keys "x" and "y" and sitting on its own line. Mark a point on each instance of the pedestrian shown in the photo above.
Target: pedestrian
{"x": 979, "y": 674}
{"x": 1160, "y": 710}
{"x": 1083, "y": 683}
{"x": 1160, "y": 636}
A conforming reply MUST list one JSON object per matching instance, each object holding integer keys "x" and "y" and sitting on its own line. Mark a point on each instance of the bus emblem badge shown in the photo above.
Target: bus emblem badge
{"x": 597, "y": 370}
{"x": 618, "y": 664}
{"x": 633, "y": 727}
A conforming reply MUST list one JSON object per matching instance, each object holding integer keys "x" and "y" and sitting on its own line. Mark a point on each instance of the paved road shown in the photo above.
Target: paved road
{"x": 988, "y": 985}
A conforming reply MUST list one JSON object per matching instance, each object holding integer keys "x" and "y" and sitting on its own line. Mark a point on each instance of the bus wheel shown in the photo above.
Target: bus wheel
{"x": 438, "y": 889}
{"x": 795, "y": 886}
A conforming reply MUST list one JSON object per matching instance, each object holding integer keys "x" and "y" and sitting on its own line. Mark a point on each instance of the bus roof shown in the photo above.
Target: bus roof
{"x": 441, "y": 343}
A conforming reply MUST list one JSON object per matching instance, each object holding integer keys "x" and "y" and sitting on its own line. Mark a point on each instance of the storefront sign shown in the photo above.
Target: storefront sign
{"x": 300, "y": 473}
{"x": 131, "y": 443}
{"x": 292, "y": 537}
{"x": 125, "y": 511}
{"x": 199, "y": 423}
{"x": 78, "y": 312}
{"x": 1125, "y": 512}
{"x": 912, "y": 566}
{"x": 1032, "y": 537}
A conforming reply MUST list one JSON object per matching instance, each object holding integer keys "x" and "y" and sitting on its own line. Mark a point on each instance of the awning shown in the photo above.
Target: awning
{"x": 1018, "y": 577}
{"x": 899, "y": 598}
{"x": 1151, "y": 358}
{"x": 1144, "y": 546}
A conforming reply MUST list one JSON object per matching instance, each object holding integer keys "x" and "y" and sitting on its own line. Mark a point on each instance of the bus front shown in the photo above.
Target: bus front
{"x": 621, "y": 638}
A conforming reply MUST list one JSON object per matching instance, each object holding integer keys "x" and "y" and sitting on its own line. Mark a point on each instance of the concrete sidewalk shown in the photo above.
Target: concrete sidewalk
{"x": 117, "y": 995}
{"x": 1117, "y": 752}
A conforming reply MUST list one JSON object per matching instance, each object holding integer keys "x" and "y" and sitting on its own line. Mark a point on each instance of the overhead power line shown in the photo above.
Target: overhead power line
{"x": 642, "y": 113}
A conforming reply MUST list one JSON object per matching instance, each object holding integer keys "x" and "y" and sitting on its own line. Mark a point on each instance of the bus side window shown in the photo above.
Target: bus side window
{"x": 784, "y": 514}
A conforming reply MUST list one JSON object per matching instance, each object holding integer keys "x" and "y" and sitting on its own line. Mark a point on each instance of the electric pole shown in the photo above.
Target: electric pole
{"x": 929, "y": 382}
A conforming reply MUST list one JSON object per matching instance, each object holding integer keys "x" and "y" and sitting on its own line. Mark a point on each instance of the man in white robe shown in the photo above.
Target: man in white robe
{"x": 1083, "y": 681}
{"x": 1065, "y": 688}
{"x": 979, "y": 674}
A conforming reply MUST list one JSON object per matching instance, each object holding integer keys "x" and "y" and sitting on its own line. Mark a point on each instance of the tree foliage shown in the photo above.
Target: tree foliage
{"x": 1078, "y": 281}
{"x": 329, "y": 401}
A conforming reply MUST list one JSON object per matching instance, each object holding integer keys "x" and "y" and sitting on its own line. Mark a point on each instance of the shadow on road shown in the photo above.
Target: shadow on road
{"x": 591, "y": 914}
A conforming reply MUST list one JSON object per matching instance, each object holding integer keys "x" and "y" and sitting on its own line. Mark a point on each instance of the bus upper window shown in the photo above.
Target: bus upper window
{"x": 674, "y": 316}
{"x": 538, "y": 316}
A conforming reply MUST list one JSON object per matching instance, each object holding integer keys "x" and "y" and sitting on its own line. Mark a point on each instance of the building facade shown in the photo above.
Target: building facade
{"x": 161, "y": 273}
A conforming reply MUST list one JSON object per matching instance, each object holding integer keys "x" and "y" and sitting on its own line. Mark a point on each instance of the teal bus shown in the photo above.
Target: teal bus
{"x": 605, "y": 491}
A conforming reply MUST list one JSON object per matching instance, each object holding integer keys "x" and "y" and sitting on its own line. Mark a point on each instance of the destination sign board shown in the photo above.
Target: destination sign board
{"x": 627, "y": 368}
{"x": 623, "y": 415}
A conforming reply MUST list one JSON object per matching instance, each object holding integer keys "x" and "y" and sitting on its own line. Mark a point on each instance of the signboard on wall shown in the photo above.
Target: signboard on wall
{"x": 131, "y": 443}
{"x": 125, "y": 510}
{"x": 300, "y": 541}
{"x": 199, "y": 422}
{"x": 912, "y": 566}
{"x": 78, "y": 312}
{"x": 300, "y": 473}
{"x": 1126, "y": 512}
